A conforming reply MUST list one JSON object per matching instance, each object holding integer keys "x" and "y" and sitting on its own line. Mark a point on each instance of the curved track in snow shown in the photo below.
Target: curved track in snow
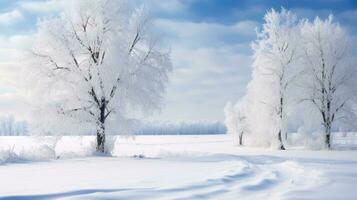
{"x": 181, "y": 178}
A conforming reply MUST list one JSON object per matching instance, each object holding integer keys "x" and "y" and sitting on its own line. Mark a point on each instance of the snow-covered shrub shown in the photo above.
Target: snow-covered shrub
{"x": 75, "y": 146}
{"x": 8, "y": 155}
{"x": 39, "y": 152}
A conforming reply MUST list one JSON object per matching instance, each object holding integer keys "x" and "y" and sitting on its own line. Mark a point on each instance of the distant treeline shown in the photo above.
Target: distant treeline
{"x": 9, "y": 126}
{"x": 182, "y": 128}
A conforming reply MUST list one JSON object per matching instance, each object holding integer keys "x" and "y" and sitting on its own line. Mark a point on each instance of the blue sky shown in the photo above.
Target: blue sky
{"x": 210, "y": 42}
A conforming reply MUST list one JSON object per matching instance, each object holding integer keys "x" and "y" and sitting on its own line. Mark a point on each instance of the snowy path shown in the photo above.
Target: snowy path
{"x": 176, "y": 167}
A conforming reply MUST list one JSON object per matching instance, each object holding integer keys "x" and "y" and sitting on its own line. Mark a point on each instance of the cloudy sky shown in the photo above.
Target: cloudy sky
{"x": 210, "y": 42}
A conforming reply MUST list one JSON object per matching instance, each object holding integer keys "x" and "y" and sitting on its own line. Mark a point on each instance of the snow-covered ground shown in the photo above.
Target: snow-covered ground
{"x": 170, "y": 167}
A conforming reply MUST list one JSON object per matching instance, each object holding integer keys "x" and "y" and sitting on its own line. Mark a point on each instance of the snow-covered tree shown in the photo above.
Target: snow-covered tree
{"x": 275, "y": 51}
{"x": 99, "y": 63}
{"x": 329, "y": 76}
{"x": 293, "y": 61}
{"x": 235, "y": 120}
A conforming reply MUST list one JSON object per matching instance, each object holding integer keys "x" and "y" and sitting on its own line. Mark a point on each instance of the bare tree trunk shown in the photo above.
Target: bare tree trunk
{"x": 328, "y": 140}
{"x": 280, "y": 137}
{"x": 101, "y": 139}
{"x": 241, "y": 139}
{"x": 328, "y": 135}
{"x": 281, "y": 141}
{"x": 101, "y": 128}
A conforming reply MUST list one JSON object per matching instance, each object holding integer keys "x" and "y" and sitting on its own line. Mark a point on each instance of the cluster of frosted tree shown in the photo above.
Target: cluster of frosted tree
{"x": 301, "y": 68}
{"x": 10, "y": 126}
{"x": 97, "y": 66}
{"x": 181, "y": 128}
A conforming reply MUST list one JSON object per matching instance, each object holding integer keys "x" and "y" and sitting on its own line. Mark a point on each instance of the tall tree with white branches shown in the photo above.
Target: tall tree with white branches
{"x": 275, "y": 53}
{"x": 100, "y": 61}
{"x": 329, "y": 74}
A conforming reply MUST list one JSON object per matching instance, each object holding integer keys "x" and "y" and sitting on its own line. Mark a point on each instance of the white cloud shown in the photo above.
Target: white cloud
{"x": 41, "y": 6}
{"x": 246, "y": 27}
{"x": 11, "y": 47}
{"x": 211, "y": 70}
{"x": 16, "y": 41}
{"x": 47, "y": 6}
{"x": 203, "y": 29}
{"x": 167, "y": 5}
{"x": 211, "y": 66}
{"x": 206, "y": 34}
{"x": 204, "y": 79}
{"x": 16, "y": 104}
{"x": 12, "y": 99}
{"x": 10, "y": 17}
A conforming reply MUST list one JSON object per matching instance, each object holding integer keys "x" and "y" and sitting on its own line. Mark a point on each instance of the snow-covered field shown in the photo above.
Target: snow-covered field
{"x": 170, "y": 167}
